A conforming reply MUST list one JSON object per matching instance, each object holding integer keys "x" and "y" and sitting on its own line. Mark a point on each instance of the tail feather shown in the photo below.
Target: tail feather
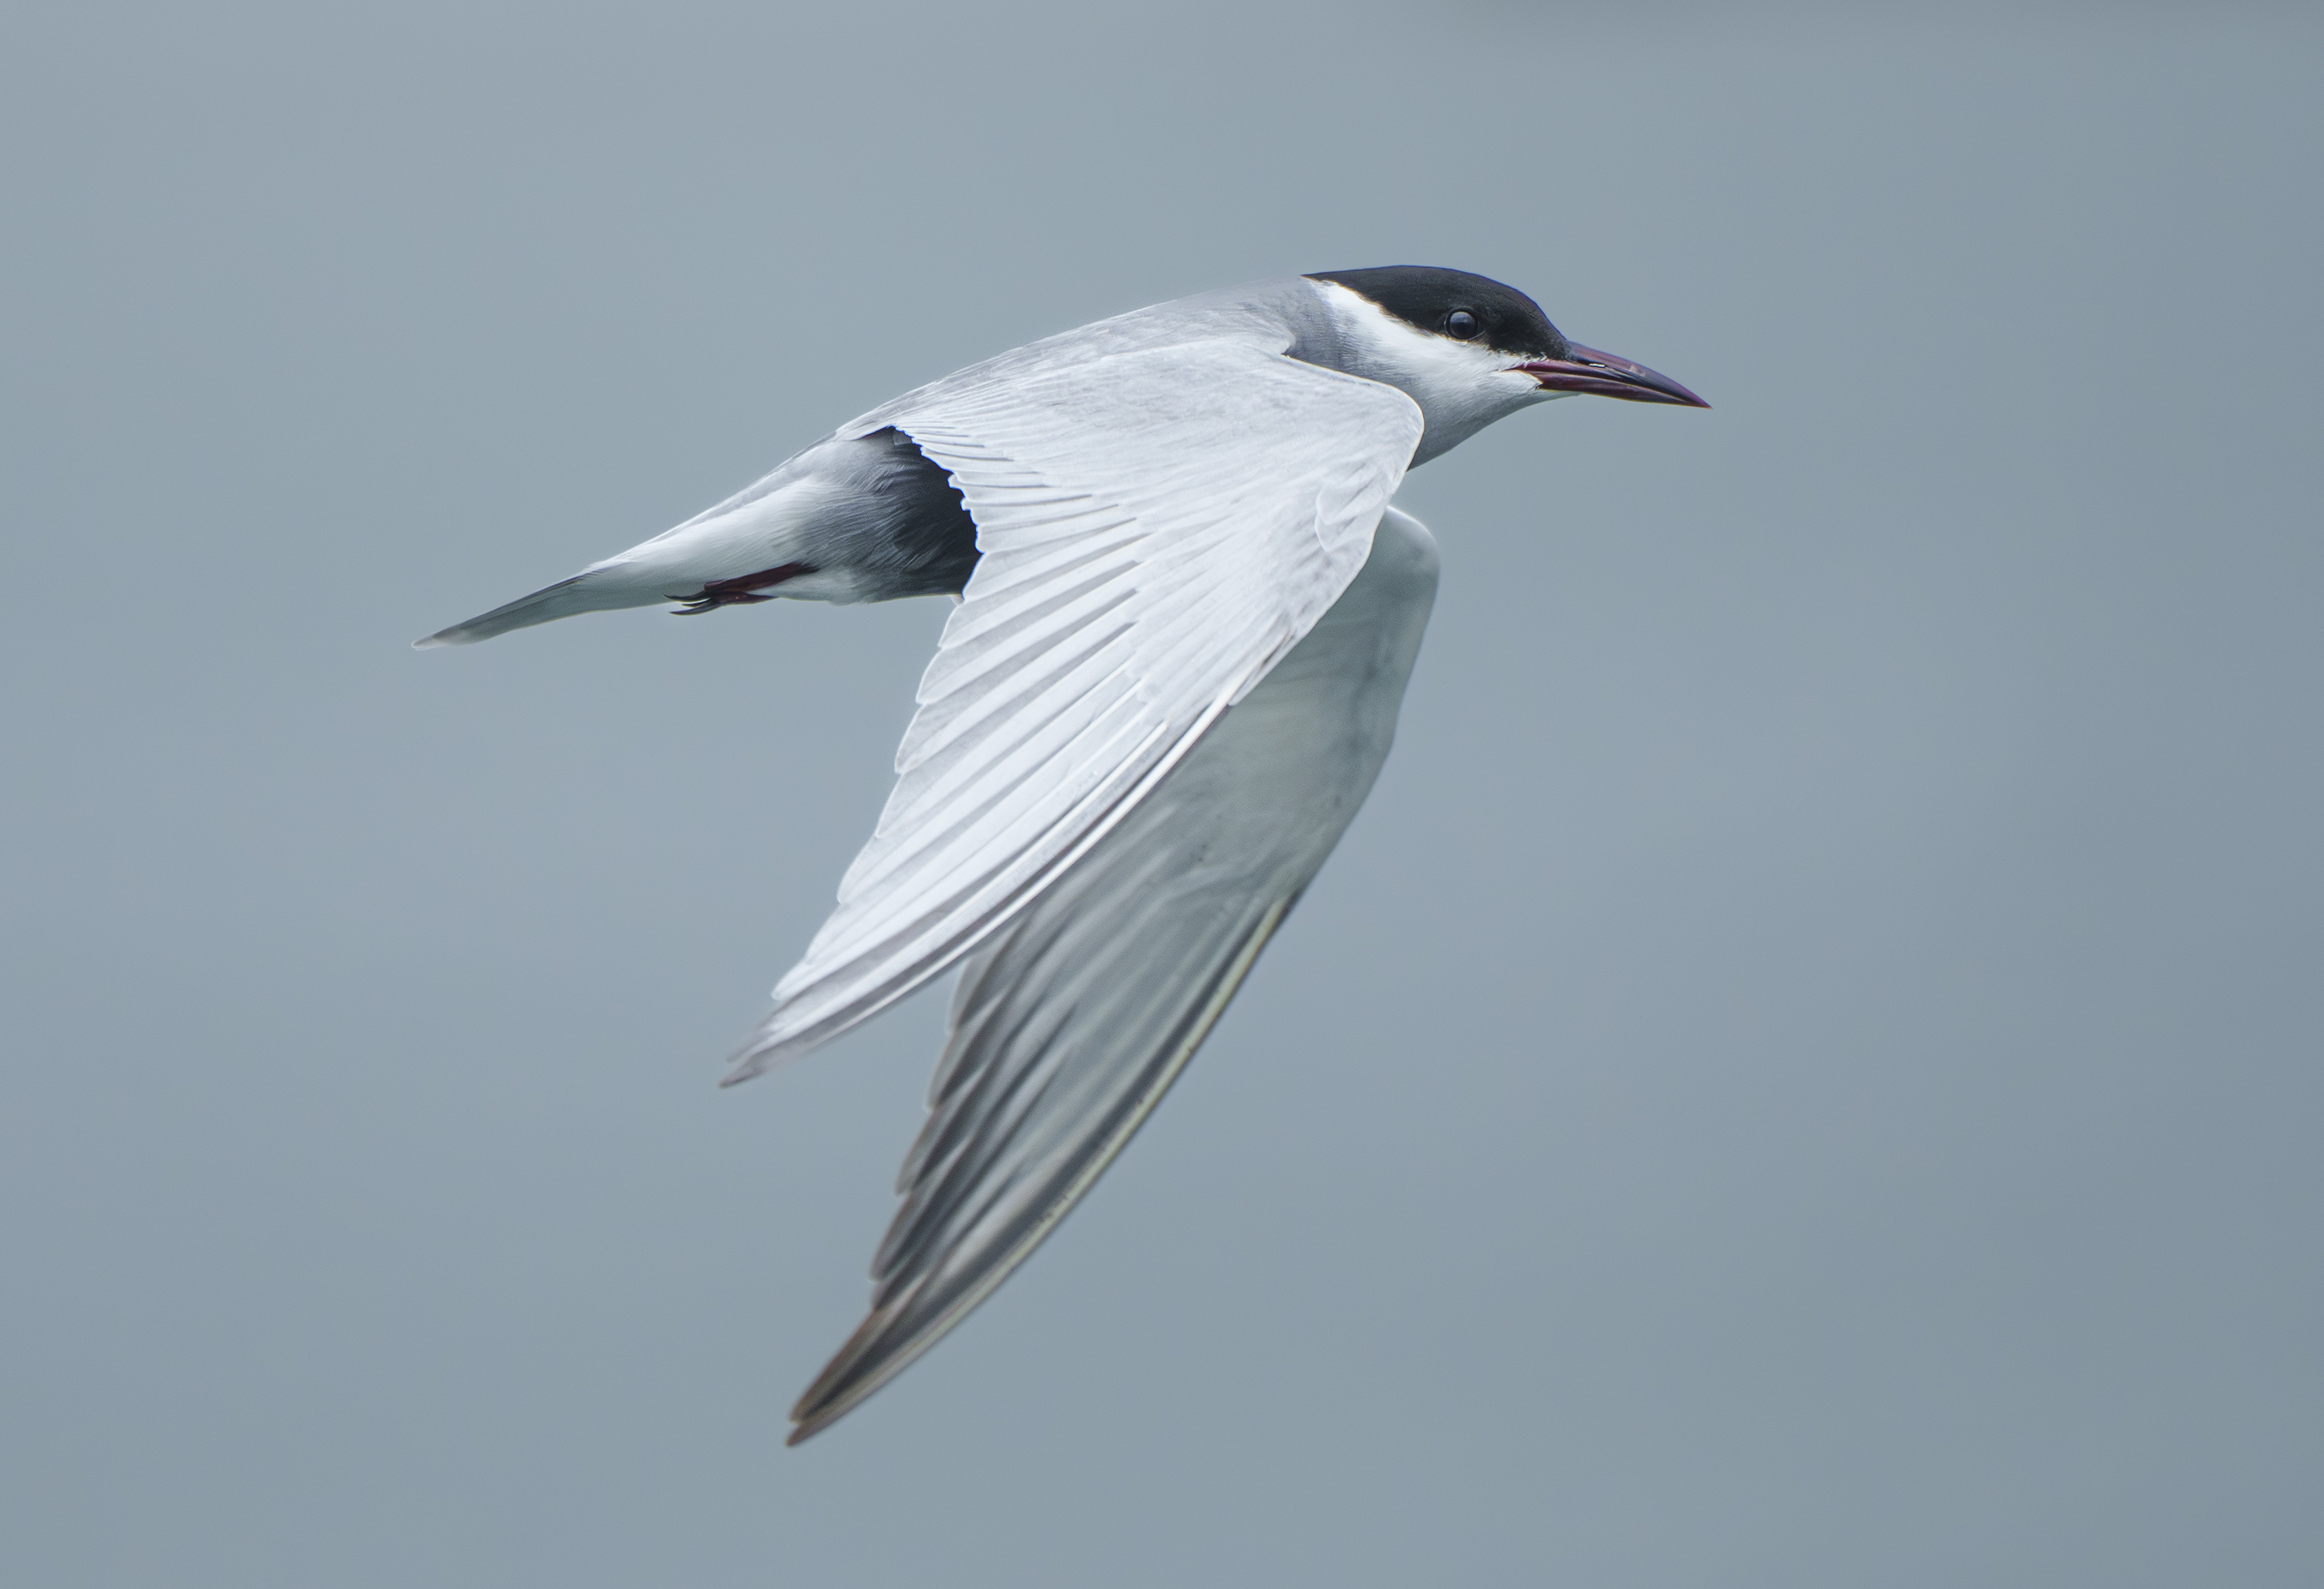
{"x": 594, "y": 590}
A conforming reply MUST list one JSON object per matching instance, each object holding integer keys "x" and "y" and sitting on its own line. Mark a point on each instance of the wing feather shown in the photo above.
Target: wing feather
{"x": 1072, "y": 1021}
{"x": 1158, "y": 526}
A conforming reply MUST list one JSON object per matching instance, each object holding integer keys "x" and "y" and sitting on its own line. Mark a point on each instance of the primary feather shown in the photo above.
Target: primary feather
{"x": 1070, "y": 1021}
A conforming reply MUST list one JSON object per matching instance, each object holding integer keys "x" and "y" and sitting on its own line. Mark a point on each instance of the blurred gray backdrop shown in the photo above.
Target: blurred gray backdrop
{"x": 1806, "y": 1073}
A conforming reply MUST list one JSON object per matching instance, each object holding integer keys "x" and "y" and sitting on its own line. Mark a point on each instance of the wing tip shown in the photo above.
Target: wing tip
{"x": 807, "y": 1427}
{"x": 787, "y": 1032}
{"x": 844, "y": 1384}
{"x": 765, "y": 1049}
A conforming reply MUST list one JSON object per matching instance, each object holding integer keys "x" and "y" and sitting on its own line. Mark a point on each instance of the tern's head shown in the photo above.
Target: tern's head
{"x": 1464, "y": 347}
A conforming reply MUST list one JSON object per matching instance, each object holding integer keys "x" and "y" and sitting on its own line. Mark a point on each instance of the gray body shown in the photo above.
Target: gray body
{"x": 859, "y": 517}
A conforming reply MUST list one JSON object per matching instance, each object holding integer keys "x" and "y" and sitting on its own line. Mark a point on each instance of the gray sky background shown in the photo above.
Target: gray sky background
{"x": 1806, "y": 1072}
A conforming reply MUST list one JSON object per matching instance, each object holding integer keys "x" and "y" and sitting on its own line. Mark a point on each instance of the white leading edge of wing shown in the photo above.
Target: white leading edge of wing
{"x": 1159, "y": 527}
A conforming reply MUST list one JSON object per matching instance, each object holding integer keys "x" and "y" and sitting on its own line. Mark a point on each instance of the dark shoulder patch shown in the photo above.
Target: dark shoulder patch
{"x": 1427, "y": 296}
{"x": 930, "y": 540}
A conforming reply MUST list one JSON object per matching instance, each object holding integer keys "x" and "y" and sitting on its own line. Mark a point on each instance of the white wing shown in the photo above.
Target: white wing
{"x": 1159, "y": 526}
{"x": 1071, "y": 1022}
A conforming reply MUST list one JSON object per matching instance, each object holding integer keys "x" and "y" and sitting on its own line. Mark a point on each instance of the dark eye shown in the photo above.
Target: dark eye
{"x": 1461, "y": 324}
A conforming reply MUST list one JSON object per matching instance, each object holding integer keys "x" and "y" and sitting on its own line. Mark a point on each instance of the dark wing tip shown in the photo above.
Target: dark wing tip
{"x": 874, "y": 1355}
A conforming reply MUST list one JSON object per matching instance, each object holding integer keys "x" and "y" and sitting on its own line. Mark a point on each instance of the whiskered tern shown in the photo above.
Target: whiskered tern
{"x": 1186, "y": 612}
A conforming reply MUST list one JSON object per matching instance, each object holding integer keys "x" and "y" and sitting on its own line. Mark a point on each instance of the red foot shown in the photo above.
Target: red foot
{"x": 741, "y": 589}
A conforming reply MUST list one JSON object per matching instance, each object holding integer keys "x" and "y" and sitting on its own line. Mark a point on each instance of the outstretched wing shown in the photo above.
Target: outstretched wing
{"x": 1159, "y": 526}
{"x": 1073, "y": 1019}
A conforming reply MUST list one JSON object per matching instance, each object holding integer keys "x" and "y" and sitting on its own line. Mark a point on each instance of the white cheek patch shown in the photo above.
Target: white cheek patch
{"x": 1393, "y": 344}
{"x": 1460, "y": 387}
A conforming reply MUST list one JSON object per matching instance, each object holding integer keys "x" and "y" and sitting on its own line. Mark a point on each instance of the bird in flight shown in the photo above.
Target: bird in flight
{"x": 1186, "y": 612}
